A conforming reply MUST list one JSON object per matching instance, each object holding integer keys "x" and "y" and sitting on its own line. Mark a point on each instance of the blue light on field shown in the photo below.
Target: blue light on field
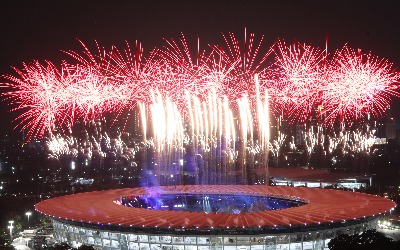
{"x": 217, "y": 203}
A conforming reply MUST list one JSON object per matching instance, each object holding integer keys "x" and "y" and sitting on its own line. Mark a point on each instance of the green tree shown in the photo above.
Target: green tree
{"x": 343, "y": 242}
{"x": 368, "y": 240}
{"x": 66, "y": 246}
{"x": 5, "y": 243}
{"x": 86, "y": 247}
{"x": 60, "y": 246}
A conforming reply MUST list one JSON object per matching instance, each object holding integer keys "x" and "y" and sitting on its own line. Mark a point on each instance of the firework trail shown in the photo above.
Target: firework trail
{"x": 276, "y": 145}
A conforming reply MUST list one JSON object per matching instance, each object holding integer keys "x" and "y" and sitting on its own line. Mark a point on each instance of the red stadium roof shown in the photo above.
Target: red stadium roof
{"x": 323, "y": 206}
{"x": 310, "y": 174}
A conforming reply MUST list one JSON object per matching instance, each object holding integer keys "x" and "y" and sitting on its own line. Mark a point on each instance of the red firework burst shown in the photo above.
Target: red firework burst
{"x": 35, "y": 93}
{"x": 358, "y": 84}
{"x": 240, "y": 62}
{"x": 296, "y": 79}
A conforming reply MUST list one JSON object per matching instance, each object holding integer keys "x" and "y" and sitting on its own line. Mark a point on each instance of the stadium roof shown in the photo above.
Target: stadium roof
{"x": 323, "y": 206}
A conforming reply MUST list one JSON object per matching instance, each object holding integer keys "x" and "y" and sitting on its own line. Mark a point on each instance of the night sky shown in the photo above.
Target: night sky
{"x": 40, "y": 30}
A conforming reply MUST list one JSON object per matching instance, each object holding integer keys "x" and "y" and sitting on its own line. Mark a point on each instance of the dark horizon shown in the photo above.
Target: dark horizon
{"x": 40, "y": 30}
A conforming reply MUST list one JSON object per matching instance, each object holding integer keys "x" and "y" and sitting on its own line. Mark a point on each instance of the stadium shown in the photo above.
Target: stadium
{"x": 110, "y": 220}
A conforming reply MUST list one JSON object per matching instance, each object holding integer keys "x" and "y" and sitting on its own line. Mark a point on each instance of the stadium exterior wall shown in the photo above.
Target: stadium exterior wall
{"x": 140, "y": 240}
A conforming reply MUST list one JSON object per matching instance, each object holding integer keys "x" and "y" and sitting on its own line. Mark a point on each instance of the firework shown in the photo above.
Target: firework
{"x": 36, "y": 92}
{"x": 296, "y": 79}
{"x": 208, "y": 108}
{"x": 358, "y": 85}
{"x": 211, "y": 137}
{"x": 301, "y": 78}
